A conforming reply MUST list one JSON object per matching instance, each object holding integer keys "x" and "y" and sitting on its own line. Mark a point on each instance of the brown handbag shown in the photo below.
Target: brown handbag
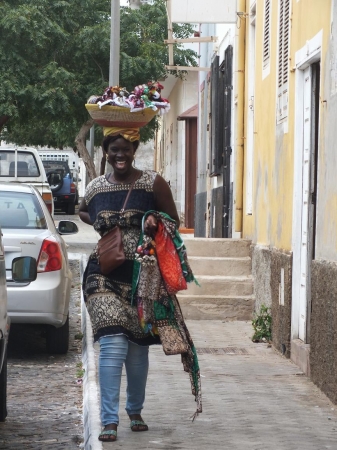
{"x": 110, "y": 252}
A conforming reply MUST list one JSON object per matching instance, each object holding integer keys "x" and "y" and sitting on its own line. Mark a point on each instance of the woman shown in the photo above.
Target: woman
{"x": 108, "y": 298}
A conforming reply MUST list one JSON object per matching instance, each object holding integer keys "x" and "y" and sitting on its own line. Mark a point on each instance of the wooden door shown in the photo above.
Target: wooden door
{"x": 190, "y": 169}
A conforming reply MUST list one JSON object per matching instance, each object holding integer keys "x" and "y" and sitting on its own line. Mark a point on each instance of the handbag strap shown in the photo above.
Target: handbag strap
{"x": 127, "y": 197}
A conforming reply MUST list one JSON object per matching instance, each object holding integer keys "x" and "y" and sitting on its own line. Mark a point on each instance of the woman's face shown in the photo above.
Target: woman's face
{"x": 120, "y": 154}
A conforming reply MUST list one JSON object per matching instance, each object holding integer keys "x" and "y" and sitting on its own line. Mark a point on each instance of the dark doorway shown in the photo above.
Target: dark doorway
{"x": 191, "y": 134}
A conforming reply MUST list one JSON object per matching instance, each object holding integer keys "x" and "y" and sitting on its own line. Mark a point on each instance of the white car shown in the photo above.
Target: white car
{"x": 4, "y": 330}
{"x": 24, "y": 270}
{"x": 29, "y": 230}
{"x": 24, "y": 165}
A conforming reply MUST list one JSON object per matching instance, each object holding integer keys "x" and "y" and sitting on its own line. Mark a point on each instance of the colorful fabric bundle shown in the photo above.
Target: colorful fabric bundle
{"x": 143, "y": 96}
{"x": 158, "y": 309}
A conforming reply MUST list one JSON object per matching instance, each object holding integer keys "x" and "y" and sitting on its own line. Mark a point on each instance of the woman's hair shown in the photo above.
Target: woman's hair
{"x": 108, "y": 139}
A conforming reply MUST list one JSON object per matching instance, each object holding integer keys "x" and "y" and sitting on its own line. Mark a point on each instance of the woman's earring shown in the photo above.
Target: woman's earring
{"x": 134, "y": 161}
{"x": 107, "y": 157}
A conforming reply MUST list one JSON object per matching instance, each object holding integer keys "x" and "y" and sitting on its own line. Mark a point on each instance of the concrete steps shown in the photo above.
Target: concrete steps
{"x": 223, "y": 270}
{"x": 208, "y": 265}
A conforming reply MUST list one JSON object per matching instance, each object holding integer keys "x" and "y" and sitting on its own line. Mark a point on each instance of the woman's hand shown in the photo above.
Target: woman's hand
{"x": 150, "y": 225}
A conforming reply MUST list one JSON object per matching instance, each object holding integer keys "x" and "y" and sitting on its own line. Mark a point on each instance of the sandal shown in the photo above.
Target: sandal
{"x": 108, "y": 436}
{"x": 136, "y": 424}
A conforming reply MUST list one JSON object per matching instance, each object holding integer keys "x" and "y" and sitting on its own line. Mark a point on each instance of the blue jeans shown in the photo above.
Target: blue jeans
{"x": 114, "y": 352}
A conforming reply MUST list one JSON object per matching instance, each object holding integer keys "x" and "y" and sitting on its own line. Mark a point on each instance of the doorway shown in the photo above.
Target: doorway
{"x": 305, "y": 188}
{"x": 191, "y": 143}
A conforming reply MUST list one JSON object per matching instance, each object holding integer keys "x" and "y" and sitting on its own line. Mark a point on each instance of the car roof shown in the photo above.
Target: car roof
{"x": 16, "y": 187}
{"x": 14, "y": 147}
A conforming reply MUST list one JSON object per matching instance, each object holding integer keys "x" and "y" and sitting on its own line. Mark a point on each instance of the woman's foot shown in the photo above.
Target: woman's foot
{"x": 109, "y": 433}
{"x": 137, "y": 423}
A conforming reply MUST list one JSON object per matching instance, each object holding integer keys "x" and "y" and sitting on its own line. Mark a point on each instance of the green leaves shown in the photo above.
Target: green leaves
{"x": 262, "y": 325}
{"x": 55, "y": 54}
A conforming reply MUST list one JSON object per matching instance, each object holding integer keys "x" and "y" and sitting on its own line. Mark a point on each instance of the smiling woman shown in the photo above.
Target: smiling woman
{"x": 129, "y": 200}
{"x": 108, "y": 298}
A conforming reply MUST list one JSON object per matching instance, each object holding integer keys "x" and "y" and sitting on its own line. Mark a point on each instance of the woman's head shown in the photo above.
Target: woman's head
{"x": 120, "y": 154}
{"x": 107, "y": 140}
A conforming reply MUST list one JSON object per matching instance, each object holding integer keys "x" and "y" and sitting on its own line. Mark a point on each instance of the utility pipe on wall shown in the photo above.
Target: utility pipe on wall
{"x": 169, "y": 31}
{"x": 239, "y": 145}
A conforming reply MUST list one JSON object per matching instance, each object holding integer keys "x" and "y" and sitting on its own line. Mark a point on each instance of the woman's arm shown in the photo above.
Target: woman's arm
{"x": 164, "y": 199}
{"x": 163, "y": 203}
{"x": 83, "y": 212}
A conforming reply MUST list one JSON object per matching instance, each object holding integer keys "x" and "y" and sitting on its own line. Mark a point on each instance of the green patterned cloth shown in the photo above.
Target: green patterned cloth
{"x": 160, "y": 313}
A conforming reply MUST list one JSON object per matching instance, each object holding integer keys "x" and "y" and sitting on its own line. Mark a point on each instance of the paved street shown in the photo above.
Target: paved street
{"x": 253, "y": 398}
{"x": 44, "y": 396}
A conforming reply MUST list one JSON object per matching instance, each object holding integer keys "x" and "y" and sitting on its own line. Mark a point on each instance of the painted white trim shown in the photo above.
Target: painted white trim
{"x": 250, "y": 115}
{"x": 308, "y": 54}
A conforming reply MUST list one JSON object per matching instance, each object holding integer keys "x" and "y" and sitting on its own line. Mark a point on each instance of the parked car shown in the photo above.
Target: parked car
{"x": 4, "y": 330}
{"x": 29, "y": 230}
{"x": 62, "y": 185}
{"x": 24, "y": 165}
{"x": 24, "y": 270}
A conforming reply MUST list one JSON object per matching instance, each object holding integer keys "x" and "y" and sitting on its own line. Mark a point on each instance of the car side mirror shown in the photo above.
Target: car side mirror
{"x": 67, "y": 227}
{"x": 24, "y": 269}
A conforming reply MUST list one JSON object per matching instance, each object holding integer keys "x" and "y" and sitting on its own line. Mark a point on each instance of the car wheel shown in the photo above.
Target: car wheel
{"x": 58, "y": 339}
{"x": 71, "y": 208}
{"x": 3, "y": 390}
{"x": 55, "y": 182}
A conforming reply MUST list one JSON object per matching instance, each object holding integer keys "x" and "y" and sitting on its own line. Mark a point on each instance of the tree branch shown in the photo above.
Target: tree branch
{"x": 3, "y": 121}
{"x": 82, "y": 149}
{"x": 100, "y": 68}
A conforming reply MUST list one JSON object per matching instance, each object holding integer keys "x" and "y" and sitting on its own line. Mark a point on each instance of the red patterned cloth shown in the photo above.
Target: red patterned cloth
{"x": 169, "y": 261}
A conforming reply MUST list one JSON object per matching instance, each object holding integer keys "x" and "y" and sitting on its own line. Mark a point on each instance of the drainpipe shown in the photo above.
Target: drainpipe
{"x": 240, "y": 104}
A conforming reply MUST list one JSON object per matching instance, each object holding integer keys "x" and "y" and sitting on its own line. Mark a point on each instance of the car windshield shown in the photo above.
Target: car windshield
{"x": 60, "y": 167}
{"x": 26, "y": 164}
{"x": 21, "y": 210}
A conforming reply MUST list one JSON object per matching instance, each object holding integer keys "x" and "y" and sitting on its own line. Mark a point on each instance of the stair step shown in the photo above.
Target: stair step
{"x": 217, "y": 247}
{"x": 209, "y": 265}
{"x": 221, "y": 285}
{"x": 208, "y": 307}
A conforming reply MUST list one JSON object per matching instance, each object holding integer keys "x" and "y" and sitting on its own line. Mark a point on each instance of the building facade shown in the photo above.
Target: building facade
{"x": 266, "y": 164}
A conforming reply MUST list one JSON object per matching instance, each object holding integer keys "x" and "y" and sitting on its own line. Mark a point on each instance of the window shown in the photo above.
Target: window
{"x": 20, "y": 210}
{"x": 283, "y": 60}
{"x": 26, "y": 164}
{"x": 266, "y": 34}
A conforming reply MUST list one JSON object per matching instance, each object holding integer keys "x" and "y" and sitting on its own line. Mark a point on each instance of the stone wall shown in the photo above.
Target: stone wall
{"x": 323, "y": 327}
{"x": 281, "y": 313}
{"x": 200, "y": 210}
{"x": 267, "y": 264}
{"x": 216, "y": 212}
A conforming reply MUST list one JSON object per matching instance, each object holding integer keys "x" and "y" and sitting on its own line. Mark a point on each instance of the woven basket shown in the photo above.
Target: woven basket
{"x": 117, "y": 116}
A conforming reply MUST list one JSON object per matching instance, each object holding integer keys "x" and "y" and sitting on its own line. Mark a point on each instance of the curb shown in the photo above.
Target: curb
{"x": 91, "y": 412}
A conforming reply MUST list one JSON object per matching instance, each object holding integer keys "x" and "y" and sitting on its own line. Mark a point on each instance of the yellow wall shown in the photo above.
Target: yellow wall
{"x": 273, "y": 175}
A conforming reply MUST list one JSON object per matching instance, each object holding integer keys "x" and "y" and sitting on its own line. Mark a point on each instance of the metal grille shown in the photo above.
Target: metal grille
{"x": 222, "y": 351}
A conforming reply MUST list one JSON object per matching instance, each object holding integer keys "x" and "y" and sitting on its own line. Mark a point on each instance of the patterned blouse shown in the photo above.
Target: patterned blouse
{"x": 108, "y": 297}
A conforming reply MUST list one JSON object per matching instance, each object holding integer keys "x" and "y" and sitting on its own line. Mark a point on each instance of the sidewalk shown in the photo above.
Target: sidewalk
{"x": 253, "y": 398}
{"x": 257, "y": 400}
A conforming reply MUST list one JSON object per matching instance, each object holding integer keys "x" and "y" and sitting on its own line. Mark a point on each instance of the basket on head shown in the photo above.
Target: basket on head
{"x": 118, "y": 116}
